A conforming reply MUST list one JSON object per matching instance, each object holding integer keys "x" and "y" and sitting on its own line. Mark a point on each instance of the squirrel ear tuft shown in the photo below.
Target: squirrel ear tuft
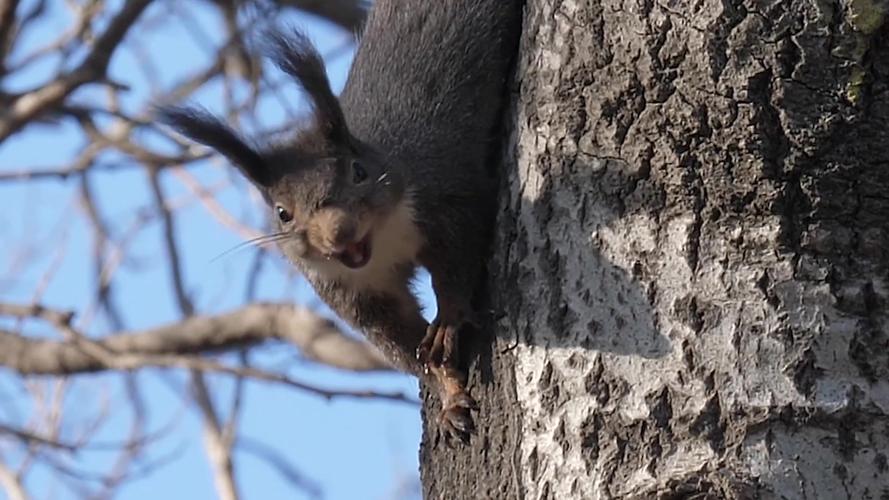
{"x": 295, "y": 54}
{"x": 202, "y": 127}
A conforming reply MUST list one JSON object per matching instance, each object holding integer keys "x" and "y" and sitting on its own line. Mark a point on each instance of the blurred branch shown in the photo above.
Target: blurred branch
{"x": 219, "y": 451}
{"x": 287, "y": 471}
{"x": 83, "y": 442}
{"x": 62, "y": 76}
{"x": 186, "y": 307}
{"x": 12, "y": 483}
{"x": 317, "y": 338}
{"x": 136, "y": 442}
{"x": 7, "y": 19}
{"x": 29, "y": 105}
{"x": 73, "y": 473}
{"x": 34, "y": 439}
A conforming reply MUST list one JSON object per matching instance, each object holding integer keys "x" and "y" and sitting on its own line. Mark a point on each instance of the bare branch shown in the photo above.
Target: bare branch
{"x": 83, "y": 443}
{"x": 108, "y": 135}
{"x": 29, "y": 105}
{"x": 318, "y": 339}
{"x": 219, "y": 450}
{"x": 213, "y": 206}
{"x": 186, "y": 307}
{"x": 280, "y": 463}
{"x": 12, "y": 483}
{"x": 32, "y": 438}
{"x": 7, "y": 19}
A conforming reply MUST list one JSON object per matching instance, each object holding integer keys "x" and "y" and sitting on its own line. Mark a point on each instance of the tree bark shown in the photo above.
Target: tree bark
{"x": 691, "y": 261}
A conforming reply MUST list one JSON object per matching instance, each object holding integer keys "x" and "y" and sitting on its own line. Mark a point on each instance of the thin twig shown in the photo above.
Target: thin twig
{"x": 27, "y": 106}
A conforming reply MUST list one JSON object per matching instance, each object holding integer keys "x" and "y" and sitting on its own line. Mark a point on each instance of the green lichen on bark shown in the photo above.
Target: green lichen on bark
{"x": 865, "y": 17}
{"x": 856, "y": 80}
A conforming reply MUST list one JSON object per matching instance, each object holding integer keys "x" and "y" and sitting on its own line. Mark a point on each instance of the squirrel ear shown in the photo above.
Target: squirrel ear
{"x": 204, "y": 128}
{"x": 296, "y": 55}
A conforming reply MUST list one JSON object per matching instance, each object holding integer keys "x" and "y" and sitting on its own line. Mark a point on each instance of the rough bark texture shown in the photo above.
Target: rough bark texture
{"x": 692, "y": 258}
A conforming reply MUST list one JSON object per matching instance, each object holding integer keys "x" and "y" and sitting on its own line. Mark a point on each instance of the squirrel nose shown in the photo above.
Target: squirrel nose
{"x": 336, "y": 228}
{"x": 342, "y": 235}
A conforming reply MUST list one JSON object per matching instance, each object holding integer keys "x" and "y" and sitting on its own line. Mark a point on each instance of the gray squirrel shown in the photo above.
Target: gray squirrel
{"x": 399, "y": 172}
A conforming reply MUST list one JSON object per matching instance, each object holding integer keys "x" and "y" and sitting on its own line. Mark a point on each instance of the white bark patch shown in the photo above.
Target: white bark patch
{"x": 699, "y": 335}
{"x": 551, "y": 368}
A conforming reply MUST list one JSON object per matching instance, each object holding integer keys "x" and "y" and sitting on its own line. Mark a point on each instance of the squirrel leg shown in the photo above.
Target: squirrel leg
{"x": 439, "y": 353}
{"x": 440, "y": 346}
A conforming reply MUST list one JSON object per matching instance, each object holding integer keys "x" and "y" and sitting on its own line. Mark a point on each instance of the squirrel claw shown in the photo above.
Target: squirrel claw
{"x": 464, "y": 400}
{"x": 426, "y": 351}
{"x": 438, "y": 352}
{"x": 456, "y": 420}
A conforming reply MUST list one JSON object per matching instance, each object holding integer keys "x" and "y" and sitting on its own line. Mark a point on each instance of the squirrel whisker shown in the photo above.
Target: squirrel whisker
{"x": 258, "y": 241}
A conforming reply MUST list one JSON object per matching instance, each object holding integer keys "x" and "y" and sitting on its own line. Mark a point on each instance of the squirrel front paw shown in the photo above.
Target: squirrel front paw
{"x": 438, "y": 352}
{"x": 438, "y": 347}
{"x": 455, "y": 420}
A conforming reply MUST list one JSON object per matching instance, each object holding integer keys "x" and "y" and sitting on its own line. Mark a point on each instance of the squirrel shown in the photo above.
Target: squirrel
{"x": 396, "y": 173}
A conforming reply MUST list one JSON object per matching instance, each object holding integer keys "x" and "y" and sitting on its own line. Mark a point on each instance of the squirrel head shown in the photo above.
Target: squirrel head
{"x": 328, "y": 190}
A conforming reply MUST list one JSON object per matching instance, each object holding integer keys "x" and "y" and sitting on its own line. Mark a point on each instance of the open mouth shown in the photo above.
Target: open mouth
{"x": 356, "y": 254}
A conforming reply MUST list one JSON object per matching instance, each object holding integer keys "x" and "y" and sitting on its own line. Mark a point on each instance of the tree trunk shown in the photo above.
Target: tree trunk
{"x": 692, "y": 258}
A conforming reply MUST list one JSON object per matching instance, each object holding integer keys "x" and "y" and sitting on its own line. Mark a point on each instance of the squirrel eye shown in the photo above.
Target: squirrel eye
{"x": 283, "y": 214}
{"x": 358, "y": 173}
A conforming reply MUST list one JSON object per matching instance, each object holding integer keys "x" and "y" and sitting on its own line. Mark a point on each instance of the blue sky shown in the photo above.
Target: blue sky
{"x": 350, "y": 449}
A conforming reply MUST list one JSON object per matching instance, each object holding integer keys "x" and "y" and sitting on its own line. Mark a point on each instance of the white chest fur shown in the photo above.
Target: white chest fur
{"x": 395, "y": 240}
